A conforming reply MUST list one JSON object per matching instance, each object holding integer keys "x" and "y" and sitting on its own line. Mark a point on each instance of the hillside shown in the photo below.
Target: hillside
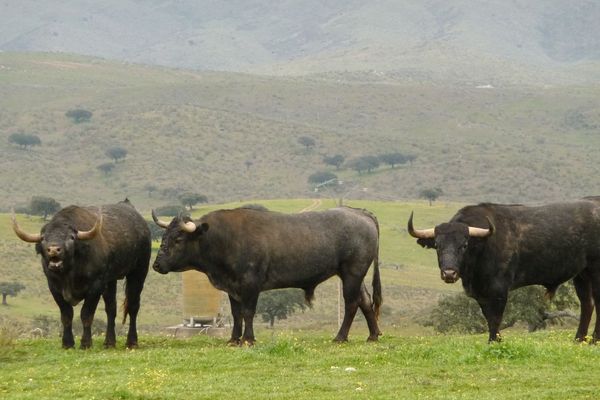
{"x": 235, "y": 136}
{"x": 537, "y": 41}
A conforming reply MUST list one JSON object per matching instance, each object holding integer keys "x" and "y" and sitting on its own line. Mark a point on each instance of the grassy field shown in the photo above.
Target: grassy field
{"x": 295, "y": 365}
{"x": 410, "y": 275}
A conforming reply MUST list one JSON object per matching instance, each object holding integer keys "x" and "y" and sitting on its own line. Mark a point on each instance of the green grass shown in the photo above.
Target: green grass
{"x": 292, "y": 365}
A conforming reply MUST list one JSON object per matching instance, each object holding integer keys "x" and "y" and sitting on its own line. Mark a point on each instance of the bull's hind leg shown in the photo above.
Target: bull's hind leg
{"x": 110, "y": 304}
{"x": 352, "y": 299}
{"x": 595, "y": 280}
{"x": 248, "y": 311}
{"x": 583, "y": 288}
{"x": 366, "y": 306}
{"x": 133, "y": 291}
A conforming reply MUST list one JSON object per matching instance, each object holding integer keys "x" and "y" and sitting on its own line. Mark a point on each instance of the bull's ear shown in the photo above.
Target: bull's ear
{"x": 428, "y": 243}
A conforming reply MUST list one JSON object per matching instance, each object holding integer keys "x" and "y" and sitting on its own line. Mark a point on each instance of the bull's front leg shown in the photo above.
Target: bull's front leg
{"x": 110, "y": 304}
{"x": 493, "y": 309}
{"x": 66, "y": 318}
{"x": 236, "y": 312}
{"x": 87, "y": 317}
{"x": 248, "y": 311}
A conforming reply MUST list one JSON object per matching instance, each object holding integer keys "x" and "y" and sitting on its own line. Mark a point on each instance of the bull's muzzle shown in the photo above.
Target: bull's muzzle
{"x": 449, "y": 275}
{"x": 157, "y": 268}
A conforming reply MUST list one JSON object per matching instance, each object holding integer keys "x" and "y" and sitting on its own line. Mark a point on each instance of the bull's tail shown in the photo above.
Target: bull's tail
{"x": 377, "y": 295}
{"x": 125, "y": 308}
{"x": 376, "y": 283}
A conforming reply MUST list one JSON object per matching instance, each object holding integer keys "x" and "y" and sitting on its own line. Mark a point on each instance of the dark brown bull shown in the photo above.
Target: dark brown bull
{"x": 84, "y": 251}
{"x": 247, "y": 250}
{"x": 495, "y": 248}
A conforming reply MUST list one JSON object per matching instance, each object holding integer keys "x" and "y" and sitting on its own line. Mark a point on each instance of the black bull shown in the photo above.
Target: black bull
{"x": 495, "y": 248}
{"x": 245, "y": 251}
{"x": 84, "y": 251}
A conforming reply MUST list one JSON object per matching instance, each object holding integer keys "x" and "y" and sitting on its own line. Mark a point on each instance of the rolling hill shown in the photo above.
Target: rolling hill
{"x": 519, "y": 42}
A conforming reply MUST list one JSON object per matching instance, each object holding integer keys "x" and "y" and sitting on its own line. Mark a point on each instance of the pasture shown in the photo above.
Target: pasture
{"x": 297, "y": 359}
{"x": 307, "y": 365}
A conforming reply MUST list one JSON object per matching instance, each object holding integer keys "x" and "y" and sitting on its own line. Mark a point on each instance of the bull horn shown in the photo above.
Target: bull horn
{"x": 26, "y": 237}
{"x": 481, "y": 232}
{"x": 419, "y": 233}
{"x": 87, "y": 235}
{"x": 188, "y": 227}
{"x": 159, "y": 222}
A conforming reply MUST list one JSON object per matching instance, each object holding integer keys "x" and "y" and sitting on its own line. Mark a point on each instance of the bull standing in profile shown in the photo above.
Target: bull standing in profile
{"x": 84, "y": 251}
{"x": 247, "y": 250}
{"x": 495, "y": 248}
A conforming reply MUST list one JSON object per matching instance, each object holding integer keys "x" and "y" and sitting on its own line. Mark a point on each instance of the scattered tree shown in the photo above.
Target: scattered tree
{"x": 307, "y": 142}
{"x": 431, "y": 194}
{"x": 190, "y": 199}
{"x": 336, "y": 160}
{"x": 248, "y": 164}
{"x": 116, "y": 153}
{"x": 323, "y": 178}
{"x": 364, "y": 163}
{"x": 393, "y": 159}
{"x": 43, "y": 206}
{"x": 106, "y": 167}
{"x": 24, "y": 140}
{"x": 79, "y": 115}
{"x": 10, "y": 289}
{"x": 279, "y": 304}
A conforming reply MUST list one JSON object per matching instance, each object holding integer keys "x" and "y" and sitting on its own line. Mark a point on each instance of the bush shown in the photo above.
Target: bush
{"x": 462, "y": 314}
{"x": 79, "y": 115}
{"x": 322, "y": 178}
{"x": 24, "y": 140}
{"x": 116, "y": 153}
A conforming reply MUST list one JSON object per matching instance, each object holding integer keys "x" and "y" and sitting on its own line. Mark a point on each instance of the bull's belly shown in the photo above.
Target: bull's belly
{"x": 548, "y": 274}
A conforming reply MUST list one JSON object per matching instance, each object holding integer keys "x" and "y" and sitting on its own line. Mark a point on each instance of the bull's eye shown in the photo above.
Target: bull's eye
{"x": 464, "y": 246}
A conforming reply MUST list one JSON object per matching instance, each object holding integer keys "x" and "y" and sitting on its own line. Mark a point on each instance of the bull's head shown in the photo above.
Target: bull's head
{"x": 180, "y": 244}
{"x": 56, "y": 242}
{"x": 451, "y": 241}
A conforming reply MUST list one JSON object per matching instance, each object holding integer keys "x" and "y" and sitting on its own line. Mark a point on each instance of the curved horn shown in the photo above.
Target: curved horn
{"x": 87, "y": 235}
{"x": 159, "y": 222}
{"x": 27, "y": 237}
{"x": 188, "y": 227}
{"x": 419, "y": 233}
{"x": 481, "y": 232}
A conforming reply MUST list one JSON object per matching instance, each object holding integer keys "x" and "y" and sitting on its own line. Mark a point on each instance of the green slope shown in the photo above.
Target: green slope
{"x": 187, "y": 131}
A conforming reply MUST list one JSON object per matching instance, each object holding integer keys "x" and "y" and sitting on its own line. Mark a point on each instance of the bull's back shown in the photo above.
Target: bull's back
{"x": 547, "y": 244}
{"x": 308, "y": 246}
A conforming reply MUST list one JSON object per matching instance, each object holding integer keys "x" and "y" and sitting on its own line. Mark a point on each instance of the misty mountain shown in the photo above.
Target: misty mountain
{"x": 516, "y": 41}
